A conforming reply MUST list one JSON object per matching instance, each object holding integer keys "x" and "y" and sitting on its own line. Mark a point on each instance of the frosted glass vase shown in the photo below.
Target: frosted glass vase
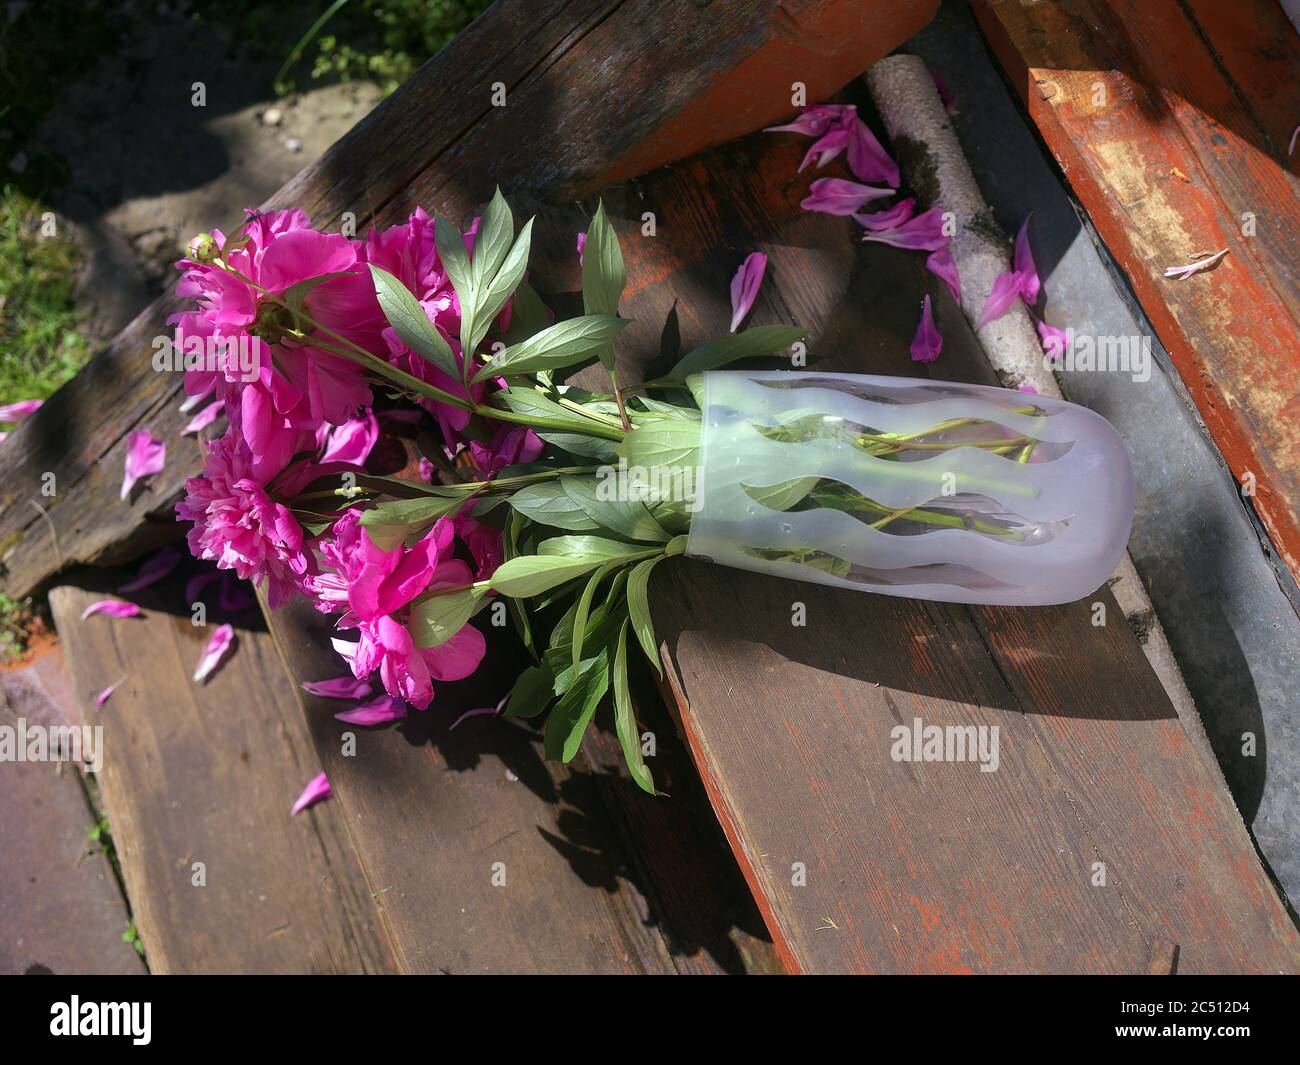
{"x": 935, "y": 490}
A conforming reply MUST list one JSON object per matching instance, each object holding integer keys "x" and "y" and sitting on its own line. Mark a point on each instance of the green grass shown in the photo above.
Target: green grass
{"x": 39, "y": 344}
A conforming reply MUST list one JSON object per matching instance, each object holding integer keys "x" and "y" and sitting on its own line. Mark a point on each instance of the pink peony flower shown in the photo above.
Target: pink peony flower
{"x": 242, "y": 342}
{"x": 409, "y": 253}
{"x": 509, "y": 446}
{"x": 239, "y": 526}
{"x": 375, "y": 588}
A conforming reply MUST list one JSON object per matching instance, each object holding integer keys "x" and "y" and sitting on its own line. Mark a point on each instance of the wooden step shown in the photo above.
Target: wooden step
{"x": 61, "y": 910}
{"x": 861, "y": 863}
{"x": 198, "y": 781}
{"x": 1171, "y": 120}
{"x": 490, "y": 859}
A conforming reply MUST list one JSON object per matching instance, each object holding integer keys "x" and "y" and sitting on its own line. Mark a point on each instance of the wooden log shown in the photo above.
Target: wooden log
{"x": 198, "y": 781}
{"x": 1171, "y": 122}
{"x": 588, "y": 92}
{"x": 1100, "y": 832}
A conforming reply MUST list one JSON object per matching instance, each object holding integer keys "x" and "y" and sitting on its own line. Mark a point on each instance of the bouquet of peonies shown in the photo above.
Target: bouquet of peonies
{"x": 402, "y": 449}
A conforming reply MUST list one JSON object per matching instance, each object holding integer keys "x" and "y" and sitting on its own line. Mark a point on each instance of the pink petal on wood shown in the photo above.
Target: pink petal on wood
{"x": 379, "y": 712}
{"x": 841, "y": 197}
{"x": 103, "y": 696}
{"x": 745, "y": 285}
{"x": 887, "y": 217}
{"x": 222, "y": 637}
{"x": 318, "y": 788}
{"x": 817, "y": 119}
{"x": 145, "y": 456}
{"x": 1182, "y": 273}
{"x": 867, "y": 158}
{"x": 826, "y": 148}
{"x": 114, "y": 608}
{"x": 928, "y": 341}
{"x": 155, "y": 568}
{"x": 16, "y": 412}
{"x": 338, "y": 688}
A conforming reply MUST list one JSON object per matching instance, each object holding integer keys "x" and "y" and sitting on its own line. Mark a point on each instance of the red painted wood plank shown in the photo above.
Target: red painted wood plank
{"x": 1170, "y": 121}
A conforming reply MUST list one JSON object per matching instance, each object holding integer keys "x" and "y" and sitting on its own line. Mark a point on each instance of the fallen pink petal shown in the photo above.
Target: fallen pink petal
{"x": 1023, "y": 265}
{"x": 1006, "y": 290}
{"x": 887, "y": 217}
{"x": 155, "y": 568}
{"x": 204, "y": 418}
{"x": 816, "y": 119}
{"x": 826, "y": 148}
{"x": 928, "y": 341}
{"x": 379, "y": 712}
{"x": 940, "y": 263}
{"x": 1182, "y": 273}
{"x": 222, "y": 638}
{"x": 745, "y": 285}
{"x": 195, "y": 585}
{"x": 339, "y": 688}
{"x": 582, "y": 247}
{"x": 922, "y": 233}
{"x": 104, "y": 696}
{"x": 114, "y": 608}
{"x": 1055, "y": 341}
{"x": 318, "y": 788}
{"x": 145, "y": 456}
{"x": 867, "y": 158}
{"x": 841, "y": 197}
{"x": 16, "y": 412}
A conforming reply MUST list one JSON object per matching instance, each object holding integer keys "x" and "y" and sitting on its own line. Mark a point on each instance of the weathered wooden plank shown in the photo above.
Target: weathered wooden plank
{"x": 593, "y": 89}
{"x": 1171, "y": 122}
{"x": 936, "y": 866}
{"x": 60, "y": 907}
{"x": 207, "y": 774}
{"x": 490, "y": 859}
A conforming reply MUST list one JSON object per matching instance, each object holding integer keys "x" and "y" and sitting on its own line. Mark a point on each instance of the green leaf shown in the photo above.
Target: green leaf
{"x": 603, "y": 275}
{"x": 630, "y": 518}
{"x": 549, "y": 504}
{"x": 388, "y": 524}
{"x": 528, "y": 315}
{"x": 544, "y": 411}
{"x": 784, "y": 495}
{"x": 583, "y": 606}
{"x": 760, "y": 340}
{"x": 532, "y": 692}
{"x": 436, "y": 618}
{"x": 638, "y": 607}
{"x": 492, "y": 296}
{"x": 595, "y": 548}
{"x": 409, "y": 322}
{"x": 669, "y": 442}
{"x": 574, "y": 711}
{"x": 560, "y": 345}
{"x": 625, "y": 720}
{"x": 587, "y": 447}
{"x": 455, "y": 260}
{"x": 533, "y": 574}
{"x": 496, "y": 231}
